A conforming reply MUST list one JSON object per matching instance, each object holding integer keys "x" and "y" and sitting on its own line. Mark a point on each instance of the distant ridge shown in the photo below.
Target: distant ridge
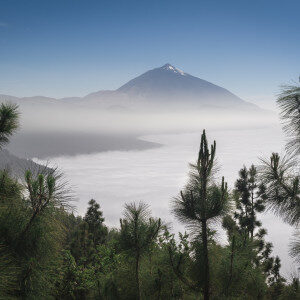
{"x": 164, "y": 86}
{"x": 17, "y": 166}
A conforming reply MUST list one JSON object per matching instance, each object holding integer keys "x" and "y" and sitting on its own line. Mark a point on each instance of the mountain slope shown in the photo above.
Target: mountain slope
{"x": 17, "y": 166}
{"x": 168, "y": 83}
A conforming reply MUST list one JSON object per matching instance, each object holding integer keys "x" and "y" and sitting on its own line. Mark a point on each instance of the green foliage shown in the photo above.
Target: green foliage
{"x": 238, "y": 277}
{"x": 202, "y": 199}
{"x": 94, "y": 219}
{"x": 31, "y": 234}
{"x": 10, "y": 212}
{"x": 248, "y": 201}
{"x": 9, "y": 121}
{"x": 201, "y": 202}
{"x": 138, "y": 229}
{"x": 281, "y": 190}
{"x": 279, "y": 175}
{"x": 289, "y": 103}
{"x": 138, "y": 232}
{"x": 48, "y": 253}
{"x": 59, "y": 259}
{"x": 67, "y": 280}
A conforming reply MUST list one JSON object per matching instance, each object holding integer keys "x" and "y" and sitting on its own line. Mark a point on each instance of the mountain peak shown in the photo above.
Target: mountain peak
{"x": 169, "y": 67}
{"x": 167, "y": 85}
{"x": 165, "y": 66}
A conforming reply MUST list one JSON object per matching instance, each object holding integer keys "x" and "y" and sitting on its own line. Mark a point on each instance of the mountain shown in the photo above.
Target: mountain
{"x": 166, "y": 86}
{"x": 172, "y": 85}
{"x": 164, "y": 99}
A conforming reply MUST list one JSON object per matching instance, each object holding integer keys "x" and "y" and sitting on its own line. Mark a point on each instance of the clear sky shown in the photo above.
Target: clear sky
{"x": 64, "y": 48}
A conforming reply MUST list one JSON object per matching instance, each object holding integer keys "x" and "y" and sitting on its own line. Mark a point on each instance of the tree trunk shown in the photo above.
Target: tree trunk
{"x": 99, "y": 290}
{"x": 159, "y": 285}
{"x": 231, "y": 265}
{"x": 137, "y": 278}
{"x": 150, "y": 261}
{"x": 206, "y": 261}
{"x": 24, "y": 232}
{"x": 252, "y": 214}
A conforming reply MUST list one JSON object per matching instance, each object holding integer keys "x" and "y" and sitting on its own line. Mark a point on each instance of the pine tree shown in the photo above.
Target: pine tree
{"x": 9, "y": 122}
{"x": 248, "y": 201}
{"x": 281, "y": 188}
{"x": 202, "y": 201}
{"x": 289, "y": 104}
{"x": 138, "y": 231}
{"x": 280, "y": 176}
{"x": 82, "y": 246}
{"x": 94, "y": 219}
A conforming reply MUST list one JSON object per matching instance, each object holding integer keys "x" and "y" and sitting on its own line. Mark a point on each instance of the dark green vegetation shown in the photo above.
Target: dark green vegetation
{"x": 48, "y": 253}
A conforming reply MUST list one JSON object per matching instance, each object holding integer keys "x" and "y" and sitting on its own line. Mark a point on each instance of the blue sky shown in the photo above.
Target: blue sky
{"x": 71, "y": 48}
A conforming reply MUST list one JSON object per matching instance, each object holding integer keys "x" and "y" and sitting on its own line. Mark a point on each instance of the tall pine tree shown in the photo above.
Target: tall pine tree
{"x": 203, "y": 201}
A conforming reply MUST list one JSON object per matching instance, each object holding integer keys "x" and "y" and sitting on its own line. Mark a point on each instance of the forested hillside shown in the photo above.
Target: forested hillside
{"x": 46, "y": 252}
